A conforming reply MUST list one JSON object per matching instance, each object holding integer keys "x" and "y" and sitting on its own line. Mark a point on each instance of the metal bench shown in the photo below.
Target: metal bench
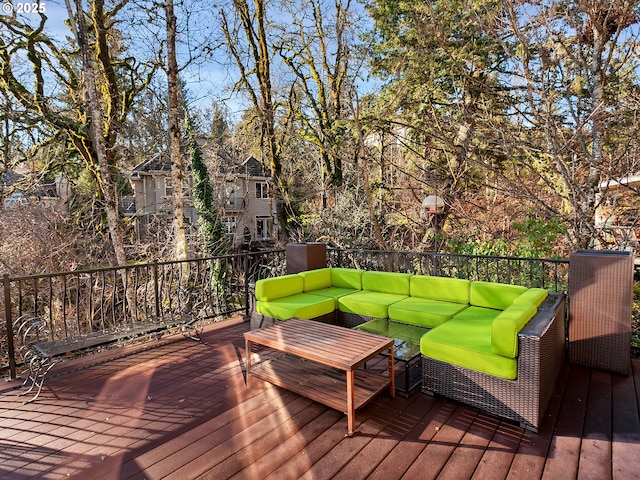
{"x": 40, "y": 353}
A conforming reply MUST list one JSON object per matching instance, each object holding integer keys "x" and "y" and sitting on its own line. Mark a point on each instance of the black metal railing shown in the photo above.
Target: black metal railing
{"x": 77, "y": 303}
{"x": 80, "y": 302}
{"x": 552, "y": 274}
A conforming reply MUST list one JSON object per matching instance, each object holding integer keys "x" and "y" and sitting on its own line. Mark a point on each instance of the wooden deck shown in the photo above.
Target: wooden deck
{"x": 182, "y": 410}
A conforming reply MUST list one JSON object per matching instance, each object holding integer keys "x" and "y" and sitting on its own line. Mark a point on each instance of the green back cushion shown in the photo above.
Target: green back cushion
{"x": 278, "y": 287}
{"x": 507, "y": 325}
{"x": 533, "y": 295}
{"x": 316, "y": 279}
{"x": 455, "y": 290}
{"x": 346, "y": 278}
{"x": 386, "y": 282}
{"x": 494, "y": 295}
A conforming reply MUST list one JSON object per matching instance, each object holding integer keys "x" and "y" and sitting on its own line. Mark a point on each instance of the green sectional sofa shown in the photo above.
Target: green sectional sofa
{"x": 475, "y": 329}
{"x": 282, "y": 298}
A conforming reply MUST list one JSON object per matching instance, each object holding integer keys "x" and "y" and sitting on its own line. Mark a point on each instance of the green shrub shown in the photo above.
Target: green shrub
{"x": 536, "y": 238}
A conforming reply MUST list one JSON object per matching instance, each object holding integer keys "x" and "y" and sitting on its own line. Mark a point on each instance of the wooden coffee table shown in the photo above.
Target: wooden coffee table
{"x": 322, "y": 362}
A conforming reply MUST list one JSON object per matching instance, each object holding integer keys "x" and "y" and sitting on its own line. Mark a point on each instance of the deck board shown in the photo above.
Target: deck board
{"x": 182, "y": 410}
{"x": 626, "y": 427}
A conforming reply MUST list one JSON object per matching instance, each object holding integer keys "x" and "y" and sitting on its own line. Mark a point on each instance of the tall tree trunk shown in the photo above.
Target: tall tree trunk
{"x": 106, "y": 168}
{"x": 177, "y": 163}
{"x": 365, "y": 172}
{"x": 267, "y": 112}
{"x": 253, "y": 25}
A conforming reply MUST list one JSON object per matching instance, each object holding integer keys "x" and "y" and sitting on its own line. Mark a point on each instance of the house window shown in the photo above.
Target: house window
{"x": 263, "y": 227}
{"x": 262, "y": 190}
{"x": 168, "y": 189}
{"x": 229, "y": 224}
{"x": 229, "y": 193}
{"x": 186, "y": 186}
{"x": 233, "y": 196}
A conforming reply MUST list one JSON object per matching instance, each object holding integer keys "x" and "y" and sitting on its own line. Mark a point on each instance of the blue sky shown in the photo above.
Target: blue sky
{"x": 206, "y": 80}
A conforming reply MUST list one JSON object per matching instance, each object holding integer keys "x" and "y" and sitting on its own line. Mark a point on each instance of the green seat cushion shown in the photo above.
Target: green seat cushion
{"x": 507, "y": 325}
{"x": 346, "y": 278}
{"x": 423, "y": 311}
{"x": 468, "y": 345}
{"x": 533, "y": 295}
{"x": 454, "y": 290}
{"x": 301, "y": 305}
{"x": 316, "y": 279}
{"x": 494, "y": 295}
{"x": 386, "y": 282}
{"x": 278, "y": 287}
{"x": 478, "y": 315}
{"x": 367, "y": 303}
{"x": 334, "y": 292}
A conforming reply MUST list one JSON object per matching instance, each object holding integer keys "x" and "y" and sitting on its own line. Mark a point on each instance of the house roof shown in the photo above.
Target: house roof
{"x": 251, "y": 167}
{"x": 40, "y": 187}
{"x": 9, "y": 178}
{"x": 161, "y": 163}
{"x": 157, "y": 163}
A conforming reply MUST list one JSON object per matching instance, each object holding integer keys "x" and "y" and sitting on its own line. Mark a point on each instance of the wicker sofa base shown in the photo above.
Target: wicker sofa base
{"x": 541, "y": 347}
{"x": 351, "y": 320}
{"x": 258, "y": 320}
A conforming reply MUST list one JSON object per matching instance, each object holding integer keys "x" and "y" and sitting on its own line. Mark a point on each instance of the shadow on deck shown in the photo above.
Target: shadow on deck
{"x": 179, "y": 409}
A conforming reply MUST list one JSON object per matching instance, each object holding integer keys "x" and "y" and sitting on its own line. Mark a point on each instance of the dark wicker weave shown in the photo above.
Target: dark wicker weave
{"x": 541, "y": 348}
{"x": 351, "y": 320}
{"x": 600, "y": 310}
{"x": 258, "y": 320}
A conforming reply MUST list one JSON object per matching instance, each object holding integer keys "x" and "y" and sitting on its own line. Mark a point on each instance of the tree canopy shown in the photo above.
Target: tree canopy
{"x": 516, "y": 113}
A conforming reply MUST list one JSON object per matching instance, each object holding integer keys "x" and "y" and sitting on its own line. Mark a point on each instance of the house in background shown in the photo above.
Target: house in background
{"x": 248, "y": 211}
{"x": 617, "y": 218}
{"x": 242, "y": 197}
{"x": 18, "y": 189}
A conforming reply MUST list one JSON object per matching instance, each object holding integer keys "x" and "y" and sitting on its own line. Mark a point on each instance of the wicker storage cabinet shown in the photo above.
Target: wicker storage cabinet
{"x": 305, "y": 256}
{"x": 600, "y": 303}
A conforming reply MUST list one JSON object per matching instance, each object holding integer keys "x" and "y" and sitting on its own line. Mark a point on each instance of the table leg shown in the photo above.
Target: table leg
{"x": 407, "y": 380}
{"x": 350, "y": 402}
{"x": 247, "y": 348}
{"x": 392, "y": 373}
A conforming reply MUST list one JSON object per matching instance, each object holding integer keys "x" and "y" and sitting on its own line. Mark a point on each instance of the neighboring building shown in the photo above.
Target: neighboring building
{"x": 242, "y": 193}
{"x": 248, "y": 211}
{"x": 53, "y": 194}
{"x": 617, "y": 218}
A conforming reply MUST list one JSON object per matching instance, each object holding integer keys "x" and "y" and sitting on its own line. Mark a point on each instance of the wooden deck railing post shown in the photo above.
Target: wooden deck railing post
{"x": 6, "y": 282}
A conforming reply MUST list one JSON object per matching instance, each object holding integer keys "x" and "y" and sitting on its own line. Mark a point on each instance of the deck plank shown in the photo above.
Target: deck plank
{"x": 564, "y": 453}
{"x": 595, "y": 453}
{"x": 178, "y": 409}
{"x": 530, "y": 459}
{"x": 381, "y": 445}
{"x": 369, "y": 426}
{"x": 413, "y": 444}
{"x": 626, "y": 426}
{"x": 500, "y": 453}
